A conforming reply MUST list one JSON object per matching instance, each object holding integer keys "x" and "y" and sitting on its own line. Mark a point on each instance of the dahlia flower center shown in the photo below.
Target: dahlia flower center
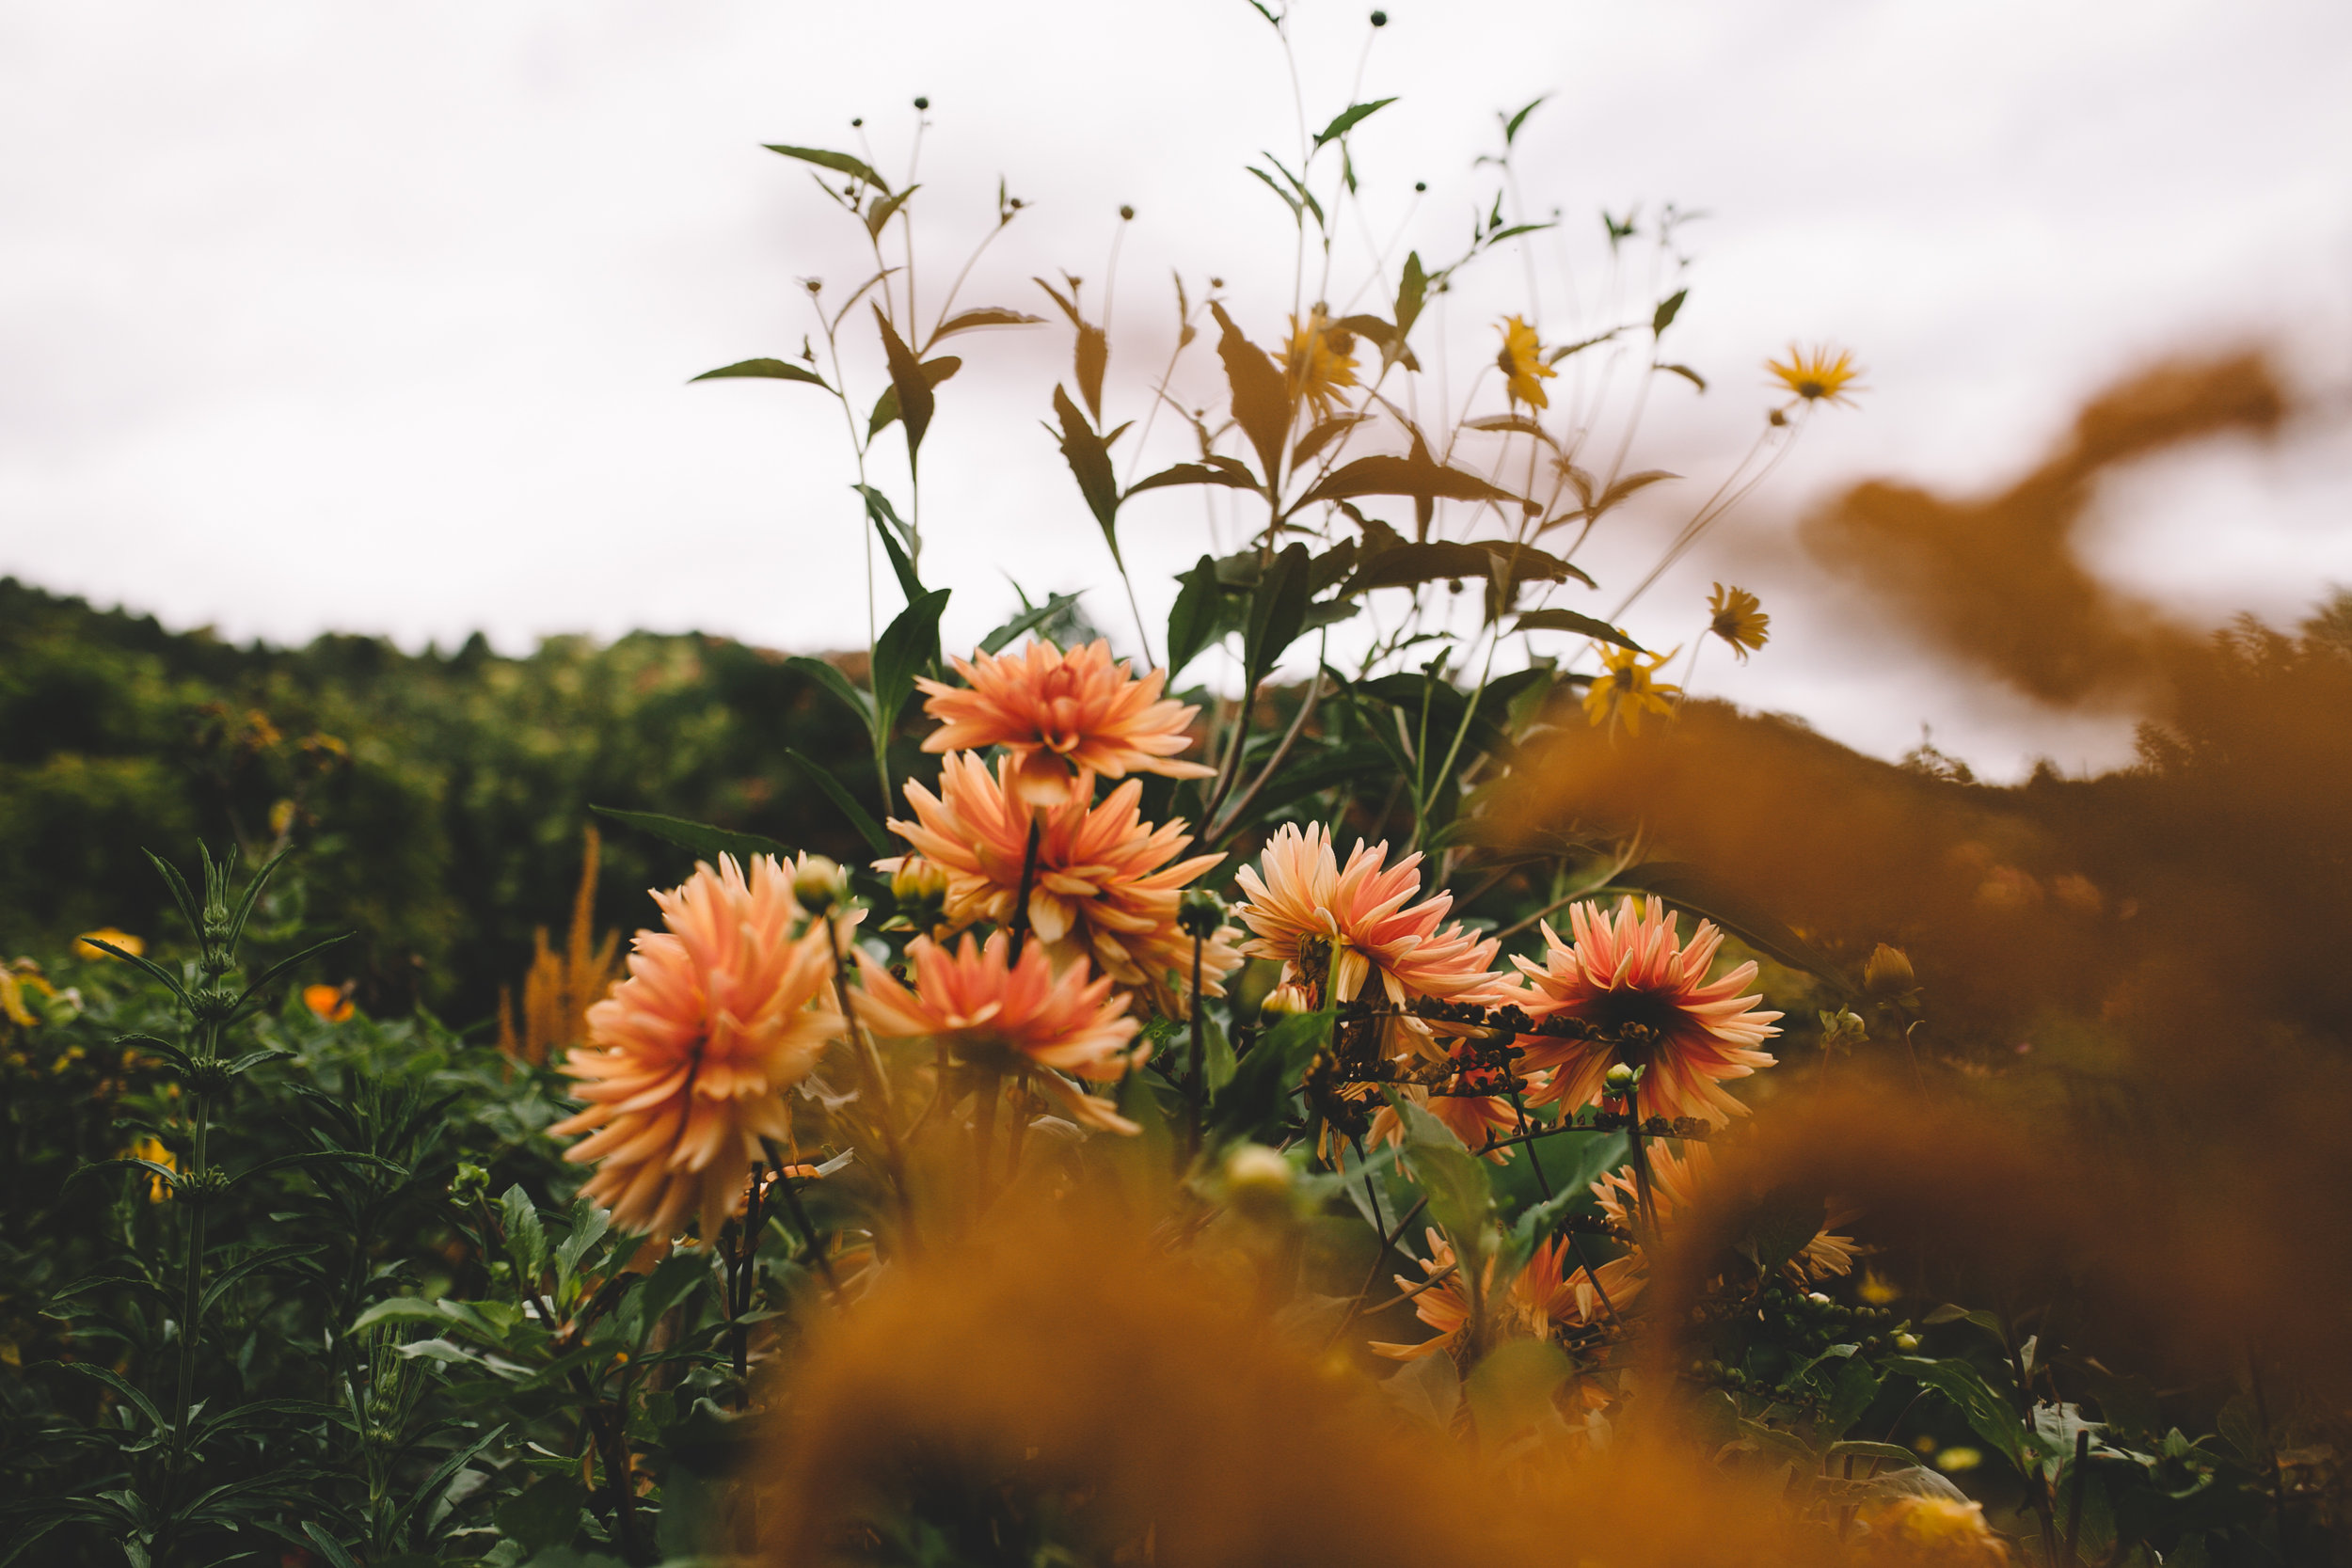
{"x": 1637, "y": 1017}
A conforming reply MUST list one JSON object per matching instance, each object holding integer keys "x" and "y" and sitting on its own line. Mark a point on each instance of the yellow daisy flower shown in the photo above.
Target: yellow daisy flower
{"x": 1738, "y": 619}
{"x": 1521, "y": 362}
{"x": 1321, "y": 362}
{"x": 1624, "y": 690}
{"x": 1814, "y": 376}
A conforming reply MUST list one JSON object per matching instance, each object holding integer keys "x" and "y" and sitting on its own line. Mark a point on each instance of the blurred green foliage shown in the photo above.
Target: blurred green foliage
{"x": 437, "y": 798}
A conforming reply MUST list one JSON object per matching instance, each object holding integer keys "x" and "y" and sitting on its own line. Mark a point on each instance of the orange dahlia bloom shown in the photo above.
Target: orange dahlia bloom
{"x": 1647, "y": 996}
{"x": 1298, "y": 892}
{"x": 1021, "y": 1019}
{"x": 1061, "y": 714}
{"x": 689, "y": 1056}
{"x": 1104, "y": 888}
{"x": 1544, "y": 1298}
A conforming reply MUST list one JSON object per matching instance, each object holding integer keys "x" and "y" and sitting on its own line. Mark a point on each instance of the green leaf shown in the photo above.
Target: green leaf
{"x": 1511, "y": 127}
{"x": 915, "y": 402}
{"x": 1404, "y": 565}
{"x": 883, "y": 211}
{"x": 1089, "y": 462}
{"x": 833, "y": 680}
{"x": 589, "y": 1224}
{"x": 1584, "y": 626}
{"x": 1254, "y": 1103}
{"x": 1193, "y": 623}
{"x": 1027, "y": 620}
{"x": 1860, "y": 1449}
{"x": 445, "y": 1472}
{"x": 267, "y": 1258}
{"x": 887, "y": 523}
{"x": 1412, "y": 292}
{"x": 1261, "y": 404}
{"x": 545, "y": 1513}
{"x": 1988, "y": 1412}
{"x": 1349, "y": 118}
{"x": 1510, "y": 1391}
{"x": 1093, "y": 356}
{"x": 1668, "y": 309}
{"x": 907, "y": 647}
{"x": 526, "y": 1238}
{"x": 700, "y": 837}
{"x": 1687, "y": 373}
{"x": 329, "y": 1545}
{"x": 1850, "y": 1395}
{"x": 1278, "y": 609}
{"x": 967, "y": 321}
{"x": 886, "y": 412}
{"x": 114, "y": 1380}
{"x": 767, "y": 369}
{"x": 1229, "y": 471}
{"x": 1388, "y": 475}
{"x": 868, "y": 829}
{"x": 841, "y": 163}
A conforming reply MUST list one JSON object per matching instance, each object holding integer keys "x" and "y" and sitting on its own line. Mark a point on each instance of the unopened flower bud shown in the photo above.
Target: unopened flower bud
{"x": 1256, "y": 1174}
{"x": 1200, "y": 915}
{"x": 820, "y": 884}
{"x": 1285, "y": 1001}
{"x": 1380, "y": 19}
{"x": 1814, "y": 1298}
{"x": 1126, "y": 212}
{"x": 917, "y": 881}
{"x": 1906, "y": 1342}
{"x": 1619, "y": 1080}
{"x": 1888, "y": 971}
{"x": 922, "y": 103}
{"x": 472, "y": 1183}
{"x": 1843, "y": 1028}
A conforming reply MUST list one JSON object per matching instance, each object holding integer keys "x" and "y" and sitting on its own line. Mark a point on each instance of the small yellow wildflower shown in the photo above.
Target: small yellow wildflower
{"x": 83, "y": 948}
{"x": 1738, "y": 619}
{"x": 1321, "y": 362}
{"x": 1814, "y": 376}
{"x": 1521, "y": 362}
{"x": 17, "y": 981}
{"x": 158, "y": 1190}
{"x": 1624, "y": 690}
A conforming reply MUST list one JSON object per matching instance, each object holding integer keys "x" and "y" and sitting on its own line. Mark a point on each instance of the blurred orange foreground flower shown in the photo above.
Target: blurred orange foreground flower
{"x": 1298, "y": 891}
{"x": 1647, "y": 995}
{"x": 1102, "y": 888}
{"x": 688, "y": 1057}
{"x": 1020, "y": 1018}
{"x": 1545, "y": 1296}
{"x": 1061, "y": 714}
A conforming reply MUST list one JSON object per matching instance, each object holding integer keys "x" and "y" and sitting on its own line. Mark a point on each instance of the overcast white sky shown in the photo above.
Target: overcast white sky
{"x": 378, "y": 319}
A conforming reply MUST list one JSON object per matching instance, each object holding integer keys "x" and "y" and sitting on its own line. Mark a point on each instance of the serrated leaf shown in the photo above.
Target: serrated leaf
{"x": 883, "y": 211}
{"x": 1260, "y": 403}
{"x": 1668, "y": 309}
{"x": 886, "y": 412}
{"x": 993, "y": 315}
{"x": 1028, "y": 619}
{"x": 915, "y": 402}
{"x": 1412, "y": 292}
{"x": 765, "y": 370}
{"x": 526, "y": 1238}
{"x": 700, "y": 837}
{"x": 1229, "y": 471}
{"x": 907, "y": 647}
{"x": 840, "y": 162}
{"x": 1389, "y": 475}
{"x": 1089, "y": 461}
{"x": 1582, "y": 626}
{"x": 1349, "y": 118}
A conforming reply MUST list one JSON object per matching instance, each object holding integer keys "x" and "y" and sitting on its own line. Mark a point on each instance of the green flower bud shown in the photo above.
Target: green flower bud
{"x": 820, "y": 884}
{"x": 1888, "y": 973}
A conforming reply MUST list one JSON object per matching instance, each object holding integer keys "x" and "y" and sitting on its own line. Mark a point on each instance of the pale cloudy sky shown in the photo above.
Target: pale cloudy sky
{"x": 378, "y": 318}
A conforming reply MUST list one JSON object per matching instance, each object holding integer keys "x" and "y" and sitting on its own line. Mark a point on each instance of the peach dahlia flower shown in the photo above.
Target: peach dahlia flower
{"x": 1298, "y": 892}
{"x": 689, "y": 1056}
{"x": 1021, "y": 1018}
{"x": 1544, "y": 1298}
{"x": 1061, "y": 714}
{"x": 1634, "y": 969}
{"x": 1105, "y": 887}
